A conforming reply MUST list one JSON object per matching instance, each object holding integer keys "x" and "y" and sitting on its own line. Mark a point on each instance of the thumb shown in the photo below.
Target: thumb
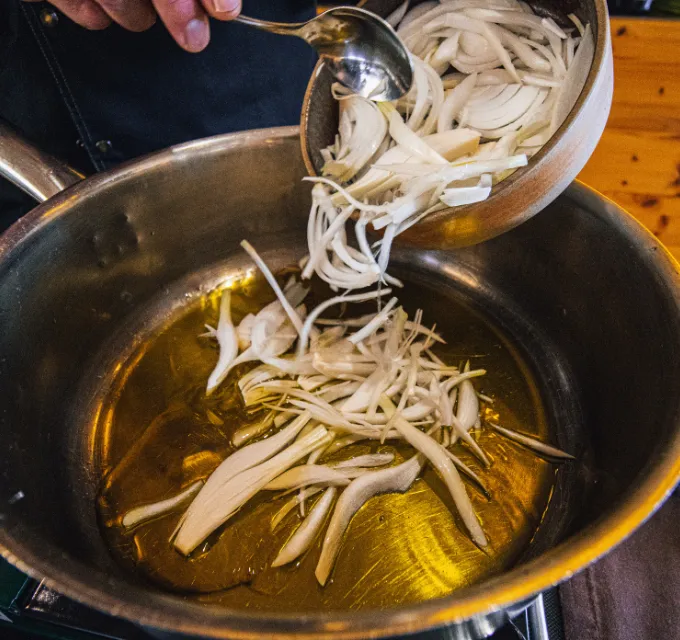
{"x": 222, "y": 9}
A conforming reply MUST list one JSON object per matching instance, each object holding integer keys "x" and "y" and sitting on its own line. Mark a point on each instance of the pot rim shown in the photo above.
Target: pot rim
{"x": 168, "y": 613}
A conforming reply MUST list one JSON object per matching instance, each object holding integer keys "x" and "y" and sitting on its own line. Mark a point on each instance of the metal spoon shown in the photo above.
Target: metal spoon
{"x": 360, "y": 49}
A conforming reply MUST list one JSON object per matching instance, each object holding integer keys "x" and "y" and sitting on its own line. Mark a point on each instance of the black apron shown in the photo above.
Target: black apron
{"x": 96, "y": 98}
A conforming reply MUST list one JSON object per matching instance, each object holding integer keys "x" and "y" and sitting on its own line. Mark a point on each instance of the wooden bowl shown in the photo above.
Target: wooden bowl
{"x": 528, "y": 190}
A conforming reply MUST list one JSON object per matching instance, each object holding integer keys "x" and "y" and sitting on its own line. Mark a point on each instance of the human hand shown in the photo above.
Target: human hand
{"x": 186, "y": 20}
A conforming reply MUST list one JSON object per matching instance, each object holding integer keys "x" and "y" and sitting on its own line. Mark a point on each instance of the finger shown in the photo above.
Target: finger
{"x": 133, "y": 15}
{"x": 222, "y": 9}
{"x": 86, "y": 13}
{"x": 186, "y": 21}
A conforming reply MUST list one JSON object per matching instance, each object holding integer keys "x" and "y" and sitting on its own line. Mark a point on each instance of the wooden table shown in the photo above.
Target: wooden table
{"x": 637, "y": 162}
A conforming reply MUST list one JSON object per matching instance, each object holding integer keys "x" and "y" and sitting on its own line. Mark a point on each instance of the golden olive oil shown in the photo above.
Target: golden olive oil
{"x": 159, "y": 433}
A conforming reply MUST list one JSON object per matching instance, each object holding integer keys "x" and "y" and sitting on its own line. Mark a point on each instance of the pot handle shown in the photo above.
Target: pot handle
{"x": 38, "y": 174}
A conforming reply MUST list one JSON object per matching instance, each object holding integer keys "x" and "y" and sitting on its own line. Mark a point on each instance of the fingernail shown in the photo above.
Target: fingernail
{"x": 197, "y": 34}
{"x": 226, "y": 6}
{"x": 95, "y": 17}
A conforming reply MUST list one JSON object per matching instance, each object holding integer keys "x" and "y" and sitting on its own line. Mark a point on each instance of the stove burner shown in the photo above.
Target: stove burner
{"x": 38, "y": 612}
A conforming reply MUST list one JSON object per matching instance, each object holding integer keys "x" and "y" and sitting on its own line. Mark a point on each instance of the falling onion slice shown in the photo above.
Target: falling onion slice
{"x": 539, "y": 70}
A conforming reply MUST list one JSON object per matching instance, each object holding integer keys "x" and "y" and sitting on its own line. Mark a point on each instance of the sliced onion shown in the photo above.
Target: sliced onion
{"x": 304, "y": 536}
{"x": 147, "y": 512}
{"x": 244, "y": 434}
{"x": 421, "y": 86}
{"x": 417, "y": 11}
{"x": 246, "y": 458}
{"x": 512, "y": 18}
{"x": 399, "y": 479}
{"x": 293, "y": 502}
{"x": 467, "y": 195}
{"x": 532, "y": 443}
{"x": 368, "y": 460}
{"x": 509, "y": 111}
{"x": 454, "y": 102}
{"x": 364, "y": 130}
{"x": 521, "y": 49}
{"x": 375, "y": 323}
{"x": 531, "y": 115}
{"x": 408, "y": 140}
{"x": 579, "y": 25}
{"x": 307, "y": 474}
{"x": 482, "y": 95}
{"x": 574, "y": 81}
{"x": 446, "y": 51}
{"x": 243, "y": 331}
{"x": 476, "y": 46}
{"x": 397, "y": 15}
{"x": 199, "y": 523}
{"x": 228, "y": 344}
{"x": 447, "y": 470}
{"x": 360, "y": 297}
{"x": 468, "y": 404}
{"x": 294, "y": 318}
{"x": 436, "y": 103}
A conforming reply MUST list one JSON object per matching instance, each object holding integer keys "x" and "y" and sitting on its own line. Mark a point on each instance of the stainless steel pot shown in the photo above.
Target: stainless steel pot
{"x": 592, "y": 297}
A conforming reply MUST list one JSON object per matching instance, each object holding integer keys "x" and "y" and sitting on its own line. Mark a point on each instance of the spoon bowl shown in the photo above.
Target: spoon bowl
{"x": 359, "y": 49}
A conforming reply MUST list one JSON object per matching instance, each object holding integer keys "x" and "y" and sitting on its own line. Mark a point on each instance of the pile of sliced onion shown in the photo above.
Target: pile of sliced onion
{"x": 492, "y": 82}
{"x": 323, "y": 385}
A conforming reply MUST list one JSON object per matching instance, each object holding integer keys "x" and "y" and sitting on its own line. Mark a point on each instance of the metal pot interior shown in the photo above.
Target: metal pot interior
{"x": 587, "y": 294}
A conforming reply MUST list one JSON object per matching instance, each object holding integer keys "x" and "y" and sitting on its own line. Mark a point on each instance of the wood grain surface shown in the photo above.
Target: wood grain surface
{"x": 637, "y": 162}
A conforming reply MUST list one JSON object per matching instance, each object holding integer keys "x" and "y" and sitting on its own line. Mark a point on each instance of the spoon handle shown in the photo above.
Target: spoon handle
{"x": 282, "y": 28}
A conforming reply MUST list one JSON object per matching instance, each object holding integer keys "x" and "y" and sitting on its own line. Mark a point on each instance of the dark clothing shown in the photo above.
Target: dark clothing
{"x": 633, "y": 593}
{"x": 95, "y": 98}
